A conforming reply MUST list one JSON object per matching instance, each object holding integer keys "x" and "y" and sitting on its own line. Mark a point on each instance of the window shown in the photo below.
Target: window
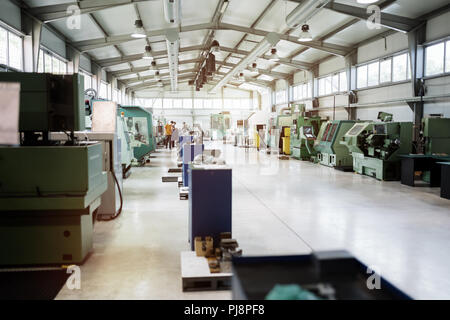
{"x": 103, "y": 91}
{"x": 88, "y": 85}
{"x": 447, "y": 57}
{"x": 343, "y": 86}
{"x": 157, "y": 103}
{"x": 361, "y": 77}
{"x": 434, "y": 59}
{"x": 335, "y": 83}
{"x": 373, "y": 73}
{"x": 321, "y": 85}
{"x": 11, "y": 49}
{"x": 177, "y": 103}
{"x": 400, "y": 67}
{"x": 198, "y": 103}
{"x": 3, "y": 46}
{"x": 386, "y": 71}
{"x": 281, "y": 97}
{"x": 246, "y": 103}
{"x": 302, "y": 91}
{"x": 168, "y": 103}
{"x": 55, "y": 65}
{"x": 328, "y": 81}
{"x": 114, "y": 93}
{"x": 50, "y": 63}
{"x": 187, "y": 103}
{"x": 217, "y": 103}
{"x": 207, "y": 103}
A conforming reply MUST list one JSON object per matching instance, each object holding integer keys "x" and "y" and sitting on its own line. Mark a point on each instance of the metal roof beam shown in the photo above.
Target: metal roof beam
{"x": 60, "y": 11}
{"x": 387, "y": 20}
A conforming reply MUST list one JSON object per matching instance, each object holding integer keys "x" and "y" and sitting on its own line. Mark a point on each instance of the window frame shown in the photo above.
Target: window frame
{"x": 19, "y": 35}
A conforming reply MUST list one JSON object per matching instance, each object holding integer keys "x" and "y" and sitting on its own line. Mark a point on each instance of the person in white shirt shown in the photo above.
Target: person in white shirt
{"x": 175, "y": 135}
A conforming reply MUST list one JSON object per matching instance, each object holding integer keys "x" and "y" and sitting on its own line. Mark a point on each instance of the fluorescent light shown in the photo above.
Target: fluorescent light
{"x": 139, "y": 31}
{"x": 305, "y": 35}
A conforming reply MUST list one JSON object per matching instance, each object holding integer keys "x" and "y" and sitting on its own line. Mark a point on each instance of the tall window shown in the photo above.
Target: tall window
{"x": 103, "y": 92}
{"x": 198, "y": 103}
{"x": 386, "y": 70}
{"x": 434, "y": 59}
{"x": 11, "y": 49}
{"x": 281, "y": 97}
{"x": 361, "y": 77}
{"x": 334, "y": 83}
{"x": 50, "y": 63}
{"x": 3, "y": 46}
{"x": 447, "y": 57}
{"x": 400, "y": 70}
{"x": 373, "y": 74}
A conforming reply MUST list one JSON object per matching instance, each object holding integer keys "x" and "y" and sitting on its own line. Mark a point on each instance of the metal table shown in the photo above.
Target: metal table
{"x": 420, "y": 162}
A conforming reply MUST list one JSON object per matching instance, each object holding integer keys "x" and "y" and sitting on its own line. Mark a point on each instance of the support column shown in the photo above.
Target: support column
{"x": 350, "y": 62}
{"x": 416, "y": 39}
{"x": 74, "y": 60}
{"x": 31, "y": 43}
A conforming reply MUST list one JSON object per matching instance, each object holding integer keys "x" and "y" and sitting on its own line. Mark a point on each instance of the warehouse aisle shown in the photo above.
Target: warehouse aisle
{"x": 279, "y": 207}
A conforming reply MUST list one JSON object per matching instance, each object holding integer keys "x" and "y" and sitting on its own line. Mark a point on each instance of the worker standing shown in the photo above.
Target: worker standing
{"x": 175, "y": 135}
{"x": 168, "y": 128}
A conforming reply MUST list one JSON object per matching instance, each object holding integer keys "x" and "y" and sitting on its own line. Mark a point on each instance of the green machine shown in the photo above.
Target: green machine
{"x": 220, "y": 123}
{"x": 376, "y": 146}
{"x": 329, "y": 151}
{"x": 49, "y": 190}
{"x": 126, "y": 151}
{"x": 435, "y": 136}
{"x": 303, "y": 133}
{"x": 139, "y": 124}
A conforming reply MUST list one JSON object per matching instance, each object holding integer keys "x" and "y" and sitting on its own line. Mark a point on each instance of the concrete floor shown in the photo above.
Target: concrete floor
{"x": 279, "y": 207}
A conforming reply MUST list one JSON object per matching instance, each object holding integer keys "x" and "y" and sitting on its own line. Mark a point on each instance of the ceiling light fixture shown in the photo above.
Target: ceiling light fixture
{"x": 153, "y": 65}
{"x": 268, "y": 42}
{"x": 157, "y": 75}
{"x": 273, "y": 55}
{"x": 241, "y": 77}
{"x": 366, "y": 1}
{"x": 139, "y": 31}
{"x": 147, "y": 54}
{"x": 215, "y": 46}
{"x": 305, "y": 35}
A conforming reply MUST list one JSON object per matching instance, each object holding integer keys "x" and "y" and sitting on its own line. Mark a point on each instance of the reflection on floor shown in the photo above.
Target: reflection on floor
{"x": 279, "y": 207}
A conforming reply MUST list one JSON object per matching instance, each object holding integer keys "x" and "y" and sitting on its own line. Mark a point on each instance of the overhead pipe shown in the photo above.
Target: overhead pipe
{"x": 173, "y": 45}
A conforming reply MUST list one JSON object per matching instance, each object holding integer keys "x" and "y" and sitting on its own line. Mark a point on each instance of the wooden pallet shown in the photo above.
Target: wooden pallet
{"x": 184, "y": 193}
{"x": 170, "y": 179}
{"x": 196, "y": 276}
{"x": 175, "y": 170}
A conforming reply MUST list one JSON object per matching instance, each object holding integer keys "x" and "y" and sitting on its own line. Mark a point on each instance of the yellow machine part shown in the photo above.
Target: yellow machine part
{"x": 286, "y": 145}
{"x": 257, "y": 140}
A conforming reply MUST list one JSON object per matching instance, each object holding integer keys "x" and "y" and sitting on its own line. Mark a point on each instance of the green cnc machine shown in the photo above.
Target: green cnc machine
{"x": 303, "y": 135}
{"x": 49, "y": 190}
{"x": 376, "y": 146}
{"x": 329, "y": 151}
{"x": 139, "y": 124}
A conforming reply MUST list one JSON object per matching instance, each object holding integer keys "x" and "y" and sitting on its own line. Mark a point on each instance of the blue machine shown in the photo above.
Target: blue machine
{"x": 182, "y": 141}
{"x": 209, "y": 202}
{"x": 189, "y": 152}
